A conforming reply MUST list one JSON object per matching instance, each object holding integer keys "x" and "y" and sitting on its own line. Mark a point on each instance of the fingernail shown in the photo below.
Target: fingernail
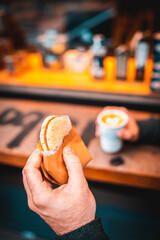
{"x": 68, "y": 150}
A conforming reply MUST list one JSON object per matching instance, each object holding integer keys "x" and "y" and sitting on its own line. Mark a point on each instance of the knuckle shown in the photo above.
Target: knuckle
{"x": 30, "y": 205}
{"x": 24, "y": 170}
{"x": 74, "y": 160}
{"x": 38, "y": 201}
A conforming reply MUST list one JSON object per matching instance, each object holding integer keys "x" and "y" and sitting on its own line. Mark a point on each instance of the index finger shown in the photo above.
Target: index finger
{"x": 33, "y": 161}
{"x": 33, "y": 174}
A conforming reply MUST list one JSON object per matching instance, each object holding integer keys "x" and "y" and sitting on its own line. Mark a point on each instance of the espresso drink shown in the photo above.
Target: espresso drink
{"x": 112, "y": 120}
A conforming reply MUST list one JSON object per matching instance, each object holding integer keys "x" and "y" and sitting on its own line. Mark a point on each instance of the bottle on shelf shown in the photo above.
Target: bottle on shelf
{"x": 110, "y": 63}
{"x": 11, "y": 30}
{"x": 142, "y": 49}
{"x": 155, "y": 79}
{"x": 131, "y": 68}
{"x": 50, "y": 48}
{"x": 122, "y": 56}
{"x": 99, "y": 52}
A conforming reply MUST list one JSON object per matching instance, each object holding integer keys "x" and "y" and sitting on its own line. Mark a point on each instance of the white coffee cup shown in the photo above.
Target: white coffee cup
{"x": 110, "y": 122}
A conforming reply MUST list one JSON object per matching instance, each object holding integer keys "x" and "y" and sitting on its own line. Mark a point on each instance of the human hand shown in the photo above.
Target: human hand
{"x": 67, "y": 207}
{"x": 130, "y": 132}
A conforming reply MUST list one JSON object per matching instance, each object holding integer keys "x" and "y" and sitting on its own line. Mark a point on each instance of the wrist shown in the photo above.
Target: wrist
{"x": 71, "y": 226}
{"x": 86, "y": 232}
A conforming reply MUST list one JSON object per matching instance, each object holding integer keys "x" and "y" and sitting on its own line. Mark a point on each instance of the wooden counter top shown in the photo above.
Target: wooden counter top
{"x": 20, "y": 122}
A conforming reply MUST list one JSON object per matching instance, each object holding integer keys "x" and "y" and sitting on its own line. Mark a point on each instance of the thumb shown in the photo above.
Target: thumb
{"x": 73, "y": 166}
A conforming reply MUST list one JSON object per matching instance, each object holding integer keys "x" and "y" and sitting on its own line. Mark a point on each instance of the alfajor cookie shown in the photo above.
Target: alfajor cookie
{"x": 57, "y": 132}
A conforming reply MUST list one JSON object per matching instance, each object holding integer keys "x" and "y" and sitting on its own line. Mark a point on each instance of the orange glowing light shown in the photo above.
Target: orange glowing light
{"x": 131, "y": 70}
{"x": 148, "y": 71}
{"x": 34, "y": 61}
{"x": 110, "y": 68}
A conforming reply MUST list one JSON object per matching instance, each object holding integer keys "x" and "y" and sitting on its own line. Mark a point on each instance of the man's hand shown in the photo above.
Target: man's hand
{"x": 65, "y": 208}
{"x": 130, "y": 132}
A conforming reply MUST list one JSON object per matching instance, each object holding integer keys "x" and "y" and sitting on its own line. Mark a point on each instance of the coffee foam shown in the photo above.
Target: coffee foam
{"x": 112, "y": 118}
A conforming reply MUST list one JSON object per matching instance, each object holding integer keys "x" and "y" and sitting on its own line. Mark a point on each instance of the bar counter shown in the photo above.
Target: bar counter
{"x": 20, "y": 122}
{"x": 60, "y": 84}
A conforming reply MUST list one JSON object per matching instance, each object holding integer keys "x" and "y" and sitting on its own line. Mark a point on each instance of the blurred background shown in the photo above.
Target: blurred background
{"x": 91, "y": 53}
{"x": 110, "y": 43}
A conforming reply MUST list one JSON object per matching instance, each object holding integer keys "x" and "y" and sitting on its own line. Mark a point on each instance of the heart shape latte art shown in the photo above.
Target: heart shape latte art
{"x": 112, "y": 121}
